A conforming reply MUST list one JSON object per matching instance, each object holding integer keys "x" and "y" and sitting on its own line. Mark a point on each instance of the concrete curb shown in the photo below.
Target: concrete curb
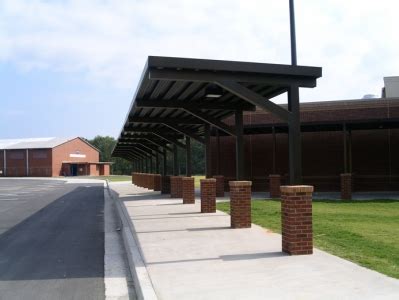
{"x": 142, "y": 282}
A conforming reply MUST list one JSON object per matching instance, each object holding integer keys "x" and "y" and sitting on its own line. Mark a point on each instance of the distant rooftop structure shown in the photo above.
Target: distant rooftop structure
{"x": 391, "y": 84}
{"x": 33, "y": 143}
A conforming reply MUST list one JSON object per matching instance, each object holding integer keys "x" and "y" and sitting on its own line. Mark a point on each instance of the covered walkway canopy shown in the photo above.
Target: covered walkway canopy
{"x": 179, "y": 99}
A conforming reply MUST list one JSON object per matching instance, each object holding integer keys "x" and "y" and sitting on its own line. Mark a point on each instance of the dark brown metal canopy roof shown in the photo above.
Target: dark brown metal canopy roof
{"x": 173, "y": 100}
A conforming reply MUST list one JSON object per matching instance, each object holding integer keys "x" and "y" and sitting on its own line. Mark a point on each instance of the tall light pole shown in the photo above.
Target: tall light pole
{"x": 293, "y": 35}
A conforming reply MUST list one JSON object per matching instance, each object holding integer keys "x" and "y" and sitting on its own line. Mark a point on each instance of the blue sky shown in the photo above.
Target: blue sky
{"x": 70, "y": 68}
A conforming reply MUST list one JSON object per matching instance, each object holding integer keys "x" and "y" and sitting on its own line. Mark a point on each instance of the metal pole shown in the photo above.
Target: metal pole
{"x": 293, "y": 34}
{"x": 188, "y": 156}
{"x": 156, "y": 162}
{"x": 147, "y": 166}
{"x": 218, "y": 152}
{"x": 165, "y": 163}
{"x": 239, "y": 145}
{"x": 208, "y": 162}
{"x": 151, "y": 165}
{"x": 274, "y": 150}
{"x": 350, "y": 150}
{"x": 294, "y": 137}
{"x": 345, "y": 149}
{"x": 175, "y": 161}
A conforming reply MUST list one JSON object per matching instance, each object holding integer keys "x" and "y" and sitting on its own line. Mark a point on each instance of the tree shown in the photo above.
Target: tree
{"x": 106, "y": 144}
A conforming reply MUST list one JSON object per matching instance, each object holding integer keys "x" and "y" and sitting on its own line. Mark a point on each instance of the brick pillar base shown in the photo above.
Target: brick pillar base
{"x": 346, "y": 186}
{"x": 219, "y": 185}
{"x": 176, "y": 187}
{"x": 157, "y": 182}
{"x": 274, "y": 186}
{"x": 165, "y": 185}
{"x": 240, "y": 204}
{"x": 188, "y": 190}
{"x": 296, "y": 219}
{"x": 208, "y": 195}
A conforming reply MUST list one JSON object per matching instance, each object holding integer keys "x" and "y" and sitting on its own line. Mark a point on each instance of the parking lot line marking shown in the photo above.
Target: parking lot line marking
{"x": 12, "y": 199}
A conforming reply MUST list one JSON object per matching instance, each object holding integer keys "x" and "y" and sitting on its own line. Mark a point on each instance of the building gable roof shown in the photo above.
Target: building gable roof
{"x": 36, "y": 143}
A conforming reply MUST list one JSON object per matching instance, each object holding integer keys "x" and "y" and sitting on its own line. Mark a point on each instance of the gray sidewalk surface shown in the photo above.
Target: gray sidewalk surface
{"x": 189, "y": 255}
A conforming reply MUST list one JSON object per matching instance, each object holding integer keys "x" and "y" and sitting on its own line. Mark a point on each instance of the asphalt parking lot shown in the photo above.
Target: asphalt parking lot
{"x": 51, "y": 240}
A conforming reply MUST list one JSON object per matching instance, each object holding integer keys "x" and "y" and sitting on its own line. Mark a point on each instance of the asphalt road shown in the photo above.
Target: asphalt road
{"x": 51, "y": 240}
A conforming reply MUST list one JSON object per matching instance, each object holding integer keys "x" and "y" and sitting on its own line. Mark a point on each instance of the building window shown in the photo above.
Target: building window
{"x": 17, "y": 154}
{"x": 39, "y": 154}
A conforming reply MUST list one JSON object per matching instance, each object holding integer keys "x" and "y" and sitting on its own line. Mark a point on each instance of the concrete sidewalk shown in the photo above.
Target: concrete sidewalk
{"x": 189, "y": 255}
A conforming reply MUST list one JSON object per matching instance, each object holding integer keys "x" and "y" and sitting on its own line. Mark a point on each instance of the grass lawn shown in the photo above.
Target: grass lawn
{"x": 365, "y": 232}
{"x": 197, "y": 180}
{"x": 114, "y": 177}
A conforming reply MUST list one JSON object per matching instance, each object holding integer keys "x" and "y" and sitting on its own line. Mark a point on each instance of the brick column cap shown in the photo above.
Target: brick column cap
{"x": 176, "y": 176}
{"x": 208, "y": 180}
{"x": 296, "y": 189}
{"x": 240, "y": 183}
{"x": 274, "y": 175}
{"x": 188, "y": 178}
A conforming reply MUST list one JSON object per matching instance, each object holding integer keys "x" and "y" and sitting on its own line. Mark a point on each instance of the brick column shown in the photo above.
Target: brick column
{"x": 346, "y": 186}
{"x": 176, "y": 189}
{"x": 219, "y": 185}
{"x": 274, "y": 186}
{"x": 157, "y": 182}
{"x": 188, "y": 190}
{"x": 208, "y": 195}
{"x": 296, "y": 219}
{"x": 165, "y": 184}
{"x": 240, "y": 204}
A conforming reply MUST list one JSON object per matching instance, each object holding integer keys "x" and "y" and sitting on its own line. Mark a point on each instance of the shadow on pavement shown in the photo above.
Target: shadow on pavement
{"x": 65, "y": 239}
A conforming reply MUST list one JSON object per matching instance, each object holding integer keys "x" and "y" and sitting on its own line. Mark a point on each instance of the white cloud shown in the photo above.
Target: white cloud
{"x": 355, "y": 41}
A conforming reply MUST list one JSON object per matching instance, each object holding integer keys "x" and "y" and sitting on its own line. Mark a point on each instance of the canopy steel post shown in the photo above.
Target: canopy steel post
{"x": 274, "y": 150}
{"x": 293, "y": 34}
{"x": 151, "y": 165}
{"x": 147, "y": 166}
{"x": 141, "y": 166}
{"x": 165, "y": 163}
{"x": 350, "y": 150}
{"x": 345, "y": 148}
{"x": 239, "y": 145}
{"x": 294, "y": 136}
{"x": 218, "y": 152}
{"x": 188, "y": 156}
{"x": 175, "y": 161}
{"x": 208, "y": 162}
{"x": 156, "y": 162}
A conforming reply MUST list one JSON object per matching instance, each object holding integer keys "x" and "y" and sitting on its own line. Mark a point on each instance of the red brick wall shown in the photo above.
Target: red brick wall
{"x": 16, "y": 167}
{"x": 375, "y": 165}
{"x": 40, "y": 162}
{"x": 94, "y": 170}
{"x": 104, "y": 170}
{"x": 62, "y": 153}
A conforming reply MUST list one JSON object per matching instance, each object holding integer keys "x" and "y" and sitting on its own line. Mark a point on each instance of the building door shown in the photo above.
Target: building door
{"x": 74, "y": 170}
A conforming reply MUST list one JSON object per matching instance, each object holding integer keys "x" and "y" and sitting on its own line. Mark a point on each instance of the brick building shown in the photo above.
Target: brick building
{"x": 360, "y": 137}
{"x": 48, "y": 157}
